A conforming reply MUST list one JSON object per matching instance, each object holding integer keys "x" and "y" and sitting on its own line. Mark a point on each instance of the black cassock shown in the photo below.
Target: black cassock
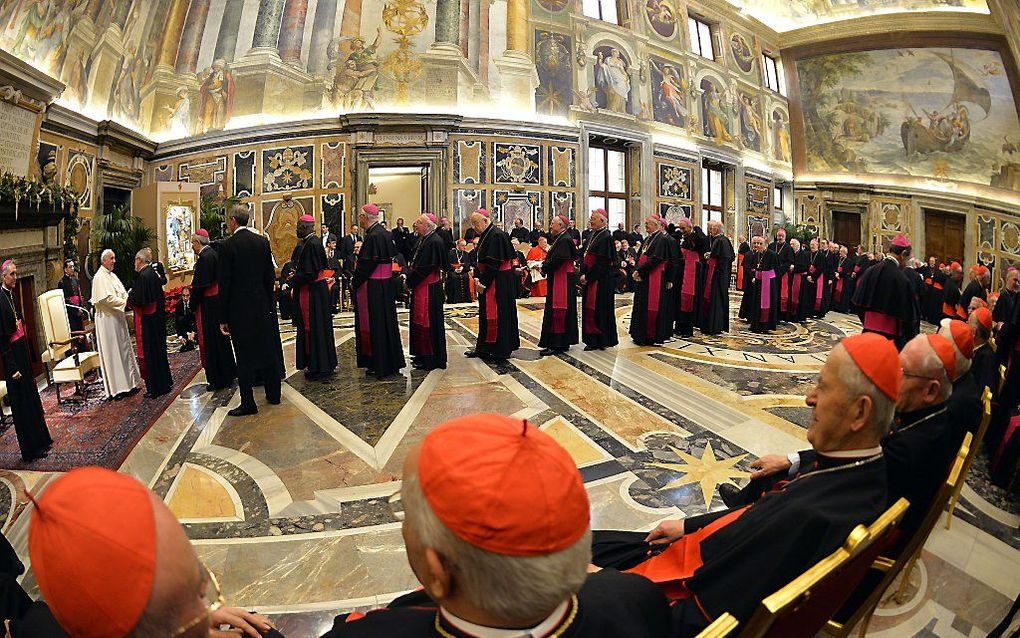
{"x": 814, "y": 292}
{"x": 458, "y": 284}
{"x": 885, "y": 303}
{"x": 651, "y": 318}
{"x": 315, "y": 349}
{"x": 598, "y": 304}
{"x": 22, "y": 394}
{"x": 933, "y": 307}
{"x": 1008, "y": 343}
{"x": 375, "y": 305}
{"x": 761, "y": 290}
{"x": 559, "y": 323}
{"x": 797, "y": 310}
{"x": 853, "y": 268}
{"x": 742, "y": 252}
{"x": 146, "y": 298}
{"x": 498, "y": 334}
{"x": 951, "y": 306}
{"x": 609, "y": 605}
{"x": 214, "y": 346}
{"x": 285, "y": 294}
{"x": 688, "y": 280}
{"x": 971, "y": 290}
{"x": 425, "y": 279}
{"x": 749, "y": 553}
{"x": 784, "y": 252}
{"x": 715, "y": 302}
{"x": 73, "y": 297}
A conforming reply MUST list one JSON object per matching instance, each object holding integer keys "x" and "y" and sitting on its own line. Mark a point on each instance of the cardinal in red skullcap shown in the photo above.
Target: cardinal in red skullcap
{"x": 729, "y": 560}
{"x": 977, "y": 288}
{"x": 885, "y": 299}
{"x": 315, "y": 350}
{"x": 111, "y": 560}
{"x": 496, "y": 525}
{"x": 965, "y": 402}
{"x": 496, "y": 286}
{"x": 599, "y": 267}
{"x": 216, "y": 352}
{"x": 984, "y": 364}
{"x": 952, "y": 304}
{"x": 429, "y": 261}
{"x": 559, "y": 323}
{"x": 376, "y": 333}
{"x": 651, "y": 320}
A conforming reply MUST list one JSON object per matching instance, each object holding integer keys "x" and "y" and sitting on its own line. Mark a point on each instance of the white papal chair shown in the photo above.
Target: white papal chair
{"x": 66, "y": 359}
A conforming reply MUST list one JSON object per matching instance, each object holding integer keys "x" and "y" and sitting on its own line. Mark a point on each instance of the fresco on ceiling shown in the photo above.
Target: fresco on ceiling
{"x": 784, "y": 15}
{"x": 928, "y": 112}
{"x": 661, "y": 16}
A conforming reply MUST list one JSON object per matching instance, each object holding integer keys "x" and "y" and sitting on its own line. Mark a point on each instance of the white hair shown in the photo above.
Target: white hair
{"x": 512, "y": 589}
{"x": 145, "y": 255}
{"x": 202, "y": 239}
{"x": 930, "y": 365}
{"x": 962, "y": 362}
{"x": 857, "y": 384}
{"x": 8, "y": 264}
{"x": 429, "y": 224}
{"x": 108, "y": 251}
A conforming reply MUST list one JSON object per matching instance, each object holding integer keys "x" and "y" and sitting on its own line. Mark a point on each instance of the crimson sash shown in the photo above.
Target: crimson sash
{"x": 740, "y": 272}
{"x": 690, "y": 280}
{"x": 382, "y": 271}
{"x": 707, "y": 295}
{"x": 142, "y": 311}
{"x": 559, "y": 293}
{"x": 795, "y": 293}
{"x": 765, "y": 300}
{"x": 838, "y": 294}
{"x": 420, "y": 314}
{"x": 491, "y": 309}
{"x": 819, "y": 288}
{"x": 880, "y": 322}
{"x": 588, "y": 325}
{"x": 18, "y": 333}
{"x": 654, "y": 292}
{"x": 784, "y": 291}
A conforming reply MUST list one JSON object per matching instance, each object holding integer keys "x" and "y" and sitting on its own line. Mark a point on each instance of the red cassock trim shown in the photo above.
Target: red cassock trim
{"x": 838, "y": 294}
{"x": 491, "y": 308}
{"x": 765, "y": 300}
{"x": 382, "y": 271}
{"x": 654, "y": 294}
{"x": 559, "y": 292}
{"x": 709, "y": 273}
{"x": 199, "y": 335}
{"x": 819, "y": 288}
{"x": 880, "y": 322}
{"x": 795, "y": 293}
{"x": 784, "y": 291}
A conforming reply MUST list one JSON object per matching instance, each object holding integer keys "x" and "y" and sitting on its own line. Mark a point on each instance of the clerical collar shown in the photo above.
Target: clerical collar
{"x": 560, "y": 618}
{"x": 906, "y": 420}
{"x": 369, "y": 229}
{"x": 853, "y": 454}
{"x": 242, "y": 228}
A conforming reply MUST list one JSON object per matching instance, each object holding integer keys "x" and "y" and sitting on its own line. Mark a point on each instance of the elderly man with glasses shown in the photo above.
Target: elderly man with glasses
{"x": 112, "y": 561}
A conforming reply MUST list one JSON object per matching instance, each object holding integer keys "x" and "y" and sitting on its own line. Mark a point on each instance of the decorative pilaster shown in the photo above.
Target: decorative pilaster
{"x": 483, "y": 43}
{"x": 474, "y": 30}
{"x": 120, "y": 13}
{"x": 322, "y": 33}
{"x": 448, "y": 22}
{"x": 517, "y": 25}
{"x": 172, "y": 33}
{"x": 267, "y": 24}
{"x": 465, "y": 17}
{"x": 292, "y": 32}
{"x": 226, "y": 41}
{"x": 518, "y": 77}
{"x": 191, "y": 36}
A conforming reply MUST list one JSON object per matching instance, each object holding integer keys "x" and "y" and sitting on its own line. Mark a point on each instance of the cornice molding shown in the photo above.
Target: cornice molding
{"x": 959, "y": 22}
{"x": 32, "y": 82}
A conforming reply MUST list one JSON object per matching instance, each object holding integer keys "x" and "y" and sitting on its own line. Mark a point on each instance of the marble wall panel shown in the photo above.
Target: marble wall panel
{"x": 334, "y": 164}
{"x": 469, "y": 162}
{"x": 288, "y": 168}
{"x": 244, "y": 174}
{"x": 517, "y": 163}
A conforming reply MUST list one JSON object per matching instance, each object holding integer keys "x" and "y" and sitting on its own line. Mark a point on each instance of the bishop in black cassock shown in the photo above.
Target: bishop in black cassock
{"x": 742, "y": 249}
{"x": 73, "y": 298}
{"x": 315, "y": 350}
{"x": 884, "y": 297}
{"x": 689, "y": 276}
{"x": 149, "y": 304}
{"x": 375, "y": 301}
{"x": 784, "y": 252}
{"x": 651, "y": 320}
{"x": 598, "y": 286}
{"x": 761, "y": 290}
{"x": 715, "y": 302}
{"x": 213, "y": 345}
{"x": 26, "y": 407}
{"x": 498, "y": 334}
{"x": 841, "y": 290}
{"x": 799, "y": 261}
{"x": 429, "y": 262}
{"x": 458, "y": 284}
{"x": 559, "y": 322}
{"x": 813, "y": 295}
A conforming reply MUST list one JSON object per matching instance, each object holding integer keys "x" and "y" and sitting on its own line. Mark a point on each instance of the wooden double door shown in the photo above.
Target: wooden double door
{"x": 944, "y": 236}
{"x": 846, "y": 229}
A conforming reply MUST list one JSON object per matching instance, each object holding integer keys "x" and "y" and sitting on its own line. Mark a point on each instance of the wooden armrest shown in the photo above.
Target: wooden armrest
{"x": 883, "y": 564}
{"x": 61, "y": 343}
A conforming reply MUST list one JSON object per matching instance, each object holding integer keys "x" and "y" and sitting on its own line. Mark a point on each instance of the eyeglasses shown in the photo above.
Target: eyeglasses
{"x": 919, "y": 376}
{"x": 213, "y": 588}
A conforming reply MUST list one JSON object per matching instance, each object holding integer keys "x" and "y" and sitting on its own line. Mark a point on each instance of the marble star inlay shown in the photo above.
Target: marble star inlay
{"x": 708, "y": 471}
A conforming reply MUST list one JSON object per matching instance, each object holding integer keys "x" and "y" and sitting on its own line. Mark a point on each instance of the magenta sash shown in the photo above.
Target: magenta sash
{"x": 654, "y": 294}
{"x": 819, "y": 288}
{"x": 588, "y": 316}
{"x": 19, "y": 332}
{"x": 838, "y": 294}
{"x": 559, "y": 297}
{"x": 795, "y": 293}
{"x": 784, "y": 291}
{"x": 881, "y": 322}
{"x": 382, "y": 271}
{"x": 690, "y": 280}
{"x": 491, "y": 309}
{"x": 707, "y": 295}
{"x": 420, "y": 314}
{"x": 142, "y": 311}
{"x": 74, "y": 300}
{"x": 765, "y": 294}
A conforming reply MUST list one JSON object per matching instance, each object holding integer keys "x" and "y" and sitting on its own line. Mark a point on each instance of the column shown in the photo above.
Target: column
{"x": 350, "y": 23}
{"x": 172, "y": 32}
{"x": 517, "y": 75}
{"x": 226, "y": 41}
{"x": 483, "y": 42}
{"x": 322, "y": 33}
{"x": 465, "y": 17}
{"x": 292, "y": 31}
{"x": 120, "y": 13}
{"x": 191, "y": 36}
{"x": 517, "y": 25}
{"x": 93, "y": 9}
{"x": 474, "y": 31}
{"x": 267, "y": 24}
{"x": 448, "y": 22}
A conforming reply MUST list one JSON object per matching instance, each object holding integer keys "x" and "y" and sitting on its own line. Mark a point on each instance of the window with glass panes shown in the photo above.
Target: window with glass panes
{"x": 777, "y": 197}
{"x": 607, "y": 182}
{"x": 604, "y": 10}
{"x": 713, "y": 195}
{"x": 772, "y": 73}
{"x": 701, "y": 37}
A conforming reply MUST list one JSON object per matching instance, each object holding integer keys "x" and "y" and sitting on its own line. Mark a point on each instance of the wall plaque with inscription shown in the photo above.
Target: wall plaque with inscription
{"x": 17, "y": 132}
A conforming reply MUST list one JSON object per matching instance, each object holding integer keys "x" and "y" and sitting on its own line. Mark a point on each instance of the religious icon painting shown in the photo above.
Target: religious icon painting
{"x": 290, "y": 168}
{"x": 469, "y": 162}
{"x": 674, "y": 181}
{"x": 554, "y": 63}
{"x": 715, "y": 110}
{"x": 562, "y": 166}
{"x": 178, "y": 223}
{"x": 517, "y": 163}
{"x": 47, "y": 165}
{"x": 244, "y": 174}
{"x": 661, "y": 16}
{"x": 80, "y": 167}
{"x": 780, "y": 125}
{"x": 611, "y": 76}
{"x": 669, "y": 91}
{"x": 673, "y": 213}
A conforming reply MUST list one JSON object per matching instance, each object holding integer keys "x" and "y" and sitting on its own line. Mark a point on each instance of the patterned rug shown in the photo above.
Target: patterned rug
{"x": 96, "y": 431}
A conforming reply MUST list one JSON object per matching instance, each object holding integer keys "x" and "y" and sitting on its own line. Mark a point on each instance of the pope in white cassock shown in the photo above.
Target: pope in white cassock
{"x": 109, "y": 298}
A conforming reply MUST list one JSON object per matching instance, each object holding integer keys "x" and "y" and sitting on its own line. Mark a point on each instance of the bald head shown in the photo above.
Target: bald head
{"x": 925, "y": 382}
{"x": 479, "y": 222}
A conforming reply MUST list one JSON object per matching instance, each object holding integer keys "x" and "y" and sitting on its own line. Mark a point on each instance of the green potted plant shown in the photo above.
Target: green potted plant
{"x": 123, "y": 233}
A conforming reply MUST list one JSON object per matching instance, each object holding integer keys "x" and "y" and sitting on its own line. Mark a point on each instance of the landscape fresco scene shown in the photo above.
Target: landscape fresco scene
{"x": 784, "y": 15}
{"x": 927, "y": 112}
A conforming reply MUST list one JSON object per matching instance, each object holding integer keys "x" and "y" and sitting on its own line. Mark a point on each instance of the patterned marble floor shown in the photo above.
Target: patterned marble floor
{"x": 290, "y": 507}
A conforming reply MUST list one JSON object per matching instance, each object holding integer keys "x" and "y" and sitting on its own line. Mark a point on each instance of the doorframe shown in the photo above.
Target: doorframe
{"x": 923, "y": 204}
{"x": 433, "y": 158}
{"x": 861, "y": 210}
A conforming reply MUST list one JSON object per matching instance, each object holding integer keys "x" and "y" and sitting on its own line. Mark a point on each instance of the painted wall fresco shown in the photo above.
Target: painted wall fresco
{"x": 937, "y": 113}
{"x": 784, "y": 15}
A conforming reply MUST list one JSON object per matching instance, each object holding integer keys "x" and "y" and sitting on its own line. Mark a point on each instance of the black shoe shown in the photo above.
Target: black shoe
{"x": 370, "y": 372}
{"x": 149, "y": 395}
{"x": 241, "y": 410}
{"x": 275, "y": 401}
{"x": 590, "y": 348}
{"x": 730, "y": 495}
{"x": 545, "y": 352}
{"x": 472, "y": 354}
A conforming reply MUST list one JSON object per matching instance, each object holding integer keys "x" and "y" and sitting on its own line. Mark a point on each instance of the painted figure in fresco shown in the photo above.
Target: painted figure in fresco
{"x": 750, "y": 124}
{"x": 661, "y": 16}
{"x": 611, "y": 77}
{"x": 742, "y": 53}
{"x": 354, "y": 79}
{"x": 178, "y": 115}
{"x": 780, "y": 137}
{"x": 125, "y": 88}
{"x": 552, "y": 61}
{"x": 671, "y": 94}
{"x": 35, "y": 25}
{"x": 217, "y": 98}
{"x": 714, "y": 116}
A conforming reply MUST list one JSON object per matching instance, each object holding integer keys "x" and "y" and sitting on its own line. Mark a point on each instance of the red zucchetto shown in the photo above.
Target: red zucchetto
{"x": 503, "y": 485}
{"x": 484, "y": 213}
{"x": 370, "y": 209}
{"x": 901, "y": 241}
{"x": 944, "y": 350}
{"x": 984, "y": 317}
{"x": 201, "y": 232}
{"x": 306, "y": 218}
{"x": 878, "y": 360}
{"x": 92, "y": 541}
{"x": 962, "y": 337}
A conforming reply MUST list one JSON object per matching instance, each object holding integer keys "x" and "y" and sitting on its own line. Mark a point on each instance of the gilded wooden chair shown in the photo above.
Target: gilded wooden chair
{"x": 803, "y": 607}
{"x": 722, "y": 627}
{"x": 975, "y": 447}
{"x": 65, "y": 361}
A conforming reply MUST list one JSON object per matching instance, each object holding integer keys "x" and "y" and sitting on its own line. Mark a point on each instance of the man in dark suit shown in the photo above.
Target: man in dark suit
{"x": 246, "y": 277}
{"x": 402, "y": 238}
{"x": 326, "y": 236}
{"x": 620, "y": 233}
{"x": 351, "y": 238}
{"x": 520, "y": 233}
